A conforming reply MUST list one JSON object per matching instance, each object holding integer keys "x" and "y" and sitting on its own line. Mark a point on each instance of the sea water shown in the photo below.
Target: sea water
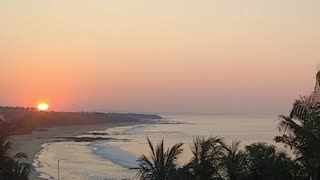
{"x": 116, "y": 158}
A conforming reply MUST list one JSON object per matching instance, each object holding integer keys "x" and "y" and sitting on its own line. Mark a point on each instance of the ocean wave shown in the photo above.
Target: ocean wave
{"x": 114, "y": 154}
{"x": 38, "y": 164}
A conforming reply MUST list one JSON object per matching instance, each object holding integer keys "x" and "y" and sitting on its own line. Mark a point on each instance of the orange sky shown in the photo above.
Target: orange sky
{"x": 158, "y": 56}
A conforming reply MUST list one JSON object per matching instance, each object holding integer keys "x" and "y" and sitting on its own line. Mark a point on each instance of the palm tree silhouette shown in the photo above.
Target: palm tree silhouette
{"x": 235, "y": 161}
{"x": 11, "y": 167}
{"x": 301, "y": 132}
{"x": 207, "y": 160}
{"x": 317, "y": 86}
{"x": 161, "y": 164}
{"x": 265, "y": 162}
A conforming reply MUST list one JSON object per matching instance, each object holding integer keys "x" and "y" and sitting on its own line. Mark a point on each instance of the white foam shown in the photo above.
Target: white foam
{"x": 115, "y": 154}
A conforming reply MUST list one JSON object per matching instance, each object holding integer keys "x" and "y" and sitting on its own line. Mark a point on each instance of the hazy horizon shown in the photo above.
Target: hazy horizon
{"x": 159, "y": 56}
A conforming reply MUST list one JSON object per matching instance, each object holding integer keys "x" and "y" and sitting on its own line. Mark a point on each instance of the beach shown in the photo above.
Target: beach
{"x": 31, "y": 143}
{"x": 115, "y": 158}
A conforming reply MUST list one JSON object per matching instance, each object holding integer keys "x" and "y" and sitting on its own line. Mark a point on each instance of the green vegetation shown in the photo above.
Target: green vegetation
{"x": 301, "y": 132}
{"x": 213, "y": 160}
{"x": 162, "y": 164}
{"x": 11, "y": 167}
{"x": 207, "y": 159}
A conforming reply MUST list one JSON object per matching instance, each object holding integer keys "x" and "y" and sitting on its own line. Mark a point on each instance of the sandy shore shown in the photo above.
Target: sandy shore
{"x": 31, "y": 143}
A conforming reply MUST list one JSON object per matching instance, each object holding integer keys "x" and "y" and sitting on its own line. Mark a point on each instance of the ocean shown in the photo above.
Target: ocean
{"x": 114, "y": 159}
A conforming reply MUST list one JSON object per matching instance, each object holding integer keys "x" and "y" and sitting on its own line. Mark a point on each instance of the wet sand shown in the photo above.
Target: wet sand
{"x": 31, "y": 143}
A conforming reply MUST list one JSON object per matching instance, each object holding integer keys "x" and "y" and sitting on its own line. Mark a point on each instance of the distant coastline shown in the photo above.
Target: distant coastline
{"x": 35, "y": 128}
{"x": 27, "y": 120}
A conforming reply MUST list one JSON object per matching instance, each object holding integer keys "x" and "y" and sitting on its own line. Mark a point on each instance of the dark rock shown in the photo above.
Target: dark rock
{"x": 89, "y": 139}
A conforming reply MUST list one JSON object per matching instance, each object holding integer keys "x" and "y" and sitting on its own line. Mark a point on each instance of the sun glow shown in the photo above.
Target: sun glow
{"x": 43, "y": 107}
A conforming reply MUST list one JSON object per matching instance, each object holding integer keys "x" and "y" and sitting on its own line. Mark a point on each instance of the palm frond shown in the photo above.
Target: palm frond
{"x": 160, "y": 165}
{"x": 173, "y": 153}
{"x": 318, "y": 76}
{"x": 304, "y": 107}
{"x": 207, "y": 160}
{"x": 287, "y": 124}
{"x": 151, "y": 147}
{"x": 20, "y": 156}
{"x": 146, "y": 168}
{"x": 5, "y": 146}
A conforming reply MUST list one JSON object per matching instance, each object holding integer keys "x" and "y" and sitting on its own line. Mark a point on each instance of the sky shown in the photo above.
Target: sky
{"x": 210, "y": 56}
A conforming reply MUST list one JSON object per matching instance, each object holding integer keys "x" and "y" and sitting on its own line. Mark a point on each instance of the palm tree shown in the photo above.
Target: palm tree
{"x": 301, "y": 132}
{"x": 266, "y": 163}
{"x": 11, "y": 167}
{"x": 207, "y": 160}
{"x": 316, "y": 93}
{"x": 18, "y": 171}
{"x": 318, "y": 76}
{"x": 161, "y": 164}
{"x": 235, "y": 161}
{"x": 183, "y": 173}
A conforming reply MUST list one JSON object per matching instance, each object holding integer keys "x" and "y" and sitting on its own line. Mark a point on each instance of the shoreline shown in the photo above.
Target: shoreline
{"x": 31, "y": 144}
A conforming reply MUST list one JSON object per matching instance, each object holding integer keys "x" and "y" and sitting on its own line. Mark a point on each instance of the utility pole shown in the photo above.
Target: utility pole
{"x": 58, "y": 169}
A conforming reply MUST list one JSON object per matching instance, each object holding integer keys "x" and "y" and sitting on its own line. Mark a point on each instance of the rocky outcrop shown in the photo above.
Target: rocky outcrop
{"x": 88, "y": 139}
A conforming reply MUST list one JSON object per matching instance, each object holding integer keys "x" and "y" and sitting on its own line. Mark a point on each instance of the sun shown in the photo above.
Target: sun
{"x": 43, "y": 106}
